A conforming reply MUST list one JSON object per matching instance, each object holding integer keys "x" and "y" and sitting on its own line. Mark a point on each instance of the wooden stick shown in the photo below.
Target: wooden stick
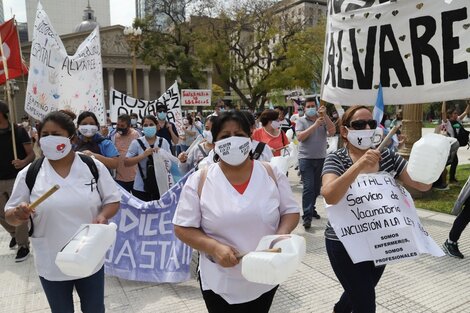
{"x": 39, "y": 200}
{"x": 384, "y": 142}
{"x": 273, "y": 250}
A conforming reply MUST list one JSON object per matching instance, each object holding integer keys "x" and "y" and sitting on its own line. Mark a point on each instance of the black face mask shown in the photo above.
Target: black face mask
{"x": 122, "y": 131}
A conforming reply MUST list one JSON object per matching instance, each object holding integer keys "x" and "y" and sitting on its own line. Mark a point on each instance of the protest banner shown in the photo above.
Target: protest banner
{"x": 120, "y": 103}
{"x": 417, "y": 50}
{"x": 58, "y": 81}
{"x": 146, "y": 248}
{"x": 196, "y": 97}
{"x": 377, "y": 220}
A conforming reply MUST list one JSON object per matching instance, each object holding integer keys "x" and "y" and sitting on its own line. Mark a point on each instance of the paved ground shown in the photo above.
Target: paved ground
{"x": 428, "y": 284}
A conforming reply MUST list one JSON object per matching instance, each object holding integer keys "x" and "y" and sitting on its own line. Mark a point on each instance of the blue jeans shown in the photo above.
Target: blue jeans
{"x": 358, "y": 280}
{"x": 90, "y": 290}
{"x": 310, "y": 169}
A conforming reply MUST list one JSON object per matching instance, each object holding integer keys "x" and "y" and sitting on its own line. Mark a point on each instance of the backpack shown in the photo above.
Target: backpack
{"x": 35, "y": 167}
{"x": 258, "y": 150}
{"x": 462, "y": 135}
{"x": 150, "y": 181}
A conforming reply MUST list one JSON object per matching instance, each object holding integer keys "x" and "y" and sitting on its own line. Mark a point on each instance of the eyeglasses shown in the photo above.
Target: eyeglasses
{"x": 362, "y": 124}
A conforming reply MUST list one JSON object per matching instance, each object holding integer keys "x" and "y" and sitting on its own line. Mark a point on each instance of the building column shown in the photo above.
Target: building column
{"x": 412, "y": 130}
{"x": 146, "y": 85}
{"x": 110, "y": 78}
{"x": 162, "y": 79}
{"x": 411, "y": 126}
{"x": 129, "y": 81}
{"x": 209, "y": 79}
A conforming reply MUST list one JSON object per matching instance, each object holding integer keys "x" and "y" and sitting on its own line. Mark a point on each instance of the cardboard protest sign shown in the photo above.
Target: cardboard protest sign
{"x": 120, "y": 103}
{"x": 199, "y": 97}
{"x": 377, "y": 220}
{"x": 417, "y": 50}
{"x": 59, "y": 81}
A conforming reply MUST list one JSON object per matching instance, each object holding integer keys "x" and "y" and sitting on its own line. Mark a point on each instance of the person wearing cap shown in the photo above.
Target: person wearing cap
{"x": 166, "y": 129}
{"x": 9, "y": 168}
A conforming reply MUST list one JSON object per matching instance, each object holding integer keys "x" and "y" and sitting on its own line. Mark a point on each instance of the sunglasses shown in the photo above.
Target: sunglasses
{"x": 362, "y": 124}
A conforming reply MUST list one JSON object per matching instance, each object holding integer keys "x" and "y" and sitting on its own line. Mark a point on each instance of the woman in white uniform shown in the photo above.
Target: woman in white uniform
{"x": 81, "y": 199}
{"x": 225, "y": 210}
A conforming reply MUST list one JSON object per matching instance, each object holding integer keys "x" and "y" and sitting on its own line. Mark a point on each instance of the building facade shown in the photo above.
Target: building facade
{"x": 64, "y": 13}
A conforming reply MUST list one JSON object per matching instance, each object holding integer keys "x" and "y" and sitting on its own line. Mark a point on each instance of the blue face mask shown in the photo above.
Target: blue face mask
{"x": 311, "y": 112}
{"x": 150, "y": 131}
{"x": 161, "y": 116}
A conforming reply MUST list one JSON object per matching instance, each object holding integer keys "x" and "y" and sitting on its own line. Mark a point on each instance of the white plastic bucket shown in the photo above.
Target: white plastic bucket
{"x": 86, "y": 249}
{"x": 274, "y": 268}
{"x": 428, "y": 158}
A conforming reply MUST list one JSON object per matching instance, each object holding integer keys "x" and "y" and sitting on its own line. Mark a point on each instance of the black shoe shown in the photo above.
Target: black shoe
{"x": 307, "y": 224}
{"x": 452, "y": 249}
{"x": 12, "y": 244}
{"x": 441, "y": 187}
{"x": 22, "y": 254}
{"x": 315, "y": 215}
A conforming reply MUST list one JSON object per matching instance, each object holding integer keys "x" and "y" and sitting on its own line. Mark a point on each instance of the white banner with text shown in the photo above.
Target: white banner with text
{"x": 417, "y": 50}
{"x": 377, "y": 221}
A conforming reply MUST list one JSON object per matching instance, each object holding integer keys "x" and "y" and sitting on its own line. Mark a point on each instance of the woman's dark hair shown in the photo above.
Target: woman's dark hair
{"x": 229, "y": 116}
{"x": 190, "y": 120}
{"x": 449, "y": 112}
{"x": 250, "y": 117}
{"x": 150, "y": 117}
{"x": 61, "y": 119}
{"x": 267, "y": 116}
{"x": 72, "y": 115}
{"x": 347, "y": 116}
{"x": 86, "y": 114}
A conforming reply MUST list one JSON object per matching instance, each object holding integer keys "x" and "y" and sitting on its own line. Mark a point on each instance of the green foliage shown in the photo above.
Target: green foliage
{"x": 443, "y": 200}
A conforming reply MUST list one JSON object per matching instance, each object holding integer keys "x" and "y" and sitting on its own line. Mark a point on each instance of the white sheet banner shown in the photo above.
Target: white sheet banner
{"x": 120, "y": 103}
{"x": 417, "y": 49}
{"x": 377, "y": 220}
{"x": 59, "y": 81}
{"x": 196, "y": 97}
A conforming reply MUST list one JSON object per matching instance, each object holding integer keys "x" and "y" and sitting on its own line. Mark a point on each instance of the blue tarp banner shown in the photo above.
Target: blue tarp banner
{"x": 146, "y": 248}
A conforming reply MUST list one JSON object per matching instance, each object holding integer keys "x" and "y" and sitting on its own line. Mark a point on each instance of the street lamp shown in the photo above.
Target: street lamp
{"x": 132, "y": 36}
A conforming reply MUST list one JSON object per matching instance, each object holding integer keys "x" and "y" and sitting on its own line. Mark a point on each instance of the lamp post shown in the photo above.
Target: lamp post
{"x": 132, "y": 36}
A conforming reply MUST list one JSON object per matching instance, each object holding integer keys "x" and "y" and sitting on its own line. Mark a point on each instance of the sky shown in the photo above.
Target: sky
{"x": 122, "y": 11}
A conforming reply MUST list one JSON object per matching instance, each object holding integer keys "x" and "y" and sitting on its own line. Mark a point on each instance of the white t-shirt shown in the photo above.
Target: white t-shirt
{"x": 238, "y": 220}
{"x": 194, "y": 157}
{"x": 135, "y": 149}
{"x": 58, "y": 218}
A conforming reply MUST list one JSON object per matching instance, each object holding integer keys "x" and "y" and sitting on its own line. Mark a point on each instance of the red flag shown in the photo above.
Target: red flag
{"x": 11, "y": 49}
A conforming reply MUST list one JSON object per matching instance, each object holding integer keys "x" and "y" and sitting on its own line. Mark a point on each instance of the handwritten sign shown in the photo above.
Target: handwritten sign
{"x": 418, "y": 50}
{"x": 120, "y": 103}
{"x": 377, "y": 220}
{"x": 199, "y": 97}
{"x": 59, "y": 81}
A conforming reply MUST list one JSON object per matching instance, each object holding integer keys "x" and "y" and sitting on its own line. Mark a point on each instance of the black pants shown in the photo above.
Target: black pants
{"x": 453, "y": 167}
{"x": 127, "y": 185}
{"x": 358, "y": 280}
{"x": 216, "y": 304}
{"x": 461, "y": 221}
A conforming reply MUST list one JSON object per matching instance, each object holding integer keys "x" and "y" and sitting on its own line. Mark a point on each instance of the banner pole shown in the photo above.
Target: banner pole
{"x": 10, "y": 106}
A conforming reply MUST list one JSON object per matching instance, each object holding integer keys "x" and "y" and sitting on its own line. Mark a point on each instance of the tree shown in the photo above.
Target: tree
{"x": 245, "y": 44}
{"x": 168, "y": 41}
{"x": 303, "y": 64}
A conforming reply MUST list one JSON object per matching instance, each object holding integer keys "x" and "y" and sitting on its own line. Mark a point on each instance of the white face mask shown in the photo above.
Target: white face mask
{"x": 276, "y": 124}
{"x": 364, "y": 139}
{"x": 207, "y": 134}
{"x": 25, "y": 124}
{"x": 233, "y": 150}
{"x": 88, "y": 130}
{"x": 55, "y": 147}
